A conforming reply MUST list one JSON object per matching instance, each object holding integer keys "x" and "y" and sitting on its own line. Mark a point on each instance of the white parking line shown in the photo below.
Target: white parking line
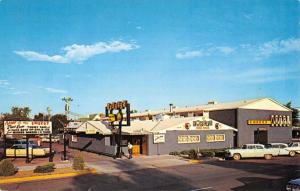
{"x": 206, "y": 188}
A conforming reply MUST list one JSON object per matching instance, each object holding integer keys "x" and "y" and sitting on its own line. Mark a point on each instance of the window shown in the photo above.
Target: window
{"x": 251, "y": 147}
{"x": 259, "y": 147}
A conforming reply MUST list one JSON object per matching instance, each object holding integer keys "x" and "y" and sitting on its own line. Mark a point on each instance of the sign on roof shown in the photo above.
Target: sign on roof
{"x": 27, "y": 127}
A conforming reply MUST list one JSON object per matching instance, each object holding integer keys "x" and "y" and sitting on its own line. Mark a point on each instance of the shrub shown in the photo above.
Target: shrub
{"x": 192, "y": 154}
{"x": 185, "y": 152}
{"x": 174, "y": 153}
{"x": 7, "y": 168}
{"x": 49, "y": 167}
{"x": 78, "y": 163}
{"x": 207, "y": 153}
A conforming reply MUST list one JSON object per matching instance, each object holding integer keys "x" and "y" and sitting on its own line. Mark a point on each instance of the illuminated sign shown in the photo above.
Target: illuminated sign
{"x": 159, "y": 138}
{"x": 202, "y": 124}
{"x": 280, "y": 120}
{"x": 27, "y": 127}
{"x": 276, "y": 120}
{"x": 259, "y": 122}
{"x": 188, "y": 139}
{"x": 215, "y": 138}
{"x": 117, "y": 105}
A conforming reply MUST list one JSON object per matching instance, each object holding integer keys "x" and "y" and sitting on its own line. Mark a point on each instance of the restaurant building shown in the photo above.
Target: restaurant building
{"x": 154, "y": 137}
{"x": 210, "y": 126}
{"x": 261, "y": 120}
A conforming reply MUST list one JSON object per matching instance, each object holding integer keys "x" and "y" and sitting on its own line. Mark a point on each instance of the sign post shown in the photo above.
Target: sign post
{"x": 26, "y": 128}
{"x": 112, "y": 118}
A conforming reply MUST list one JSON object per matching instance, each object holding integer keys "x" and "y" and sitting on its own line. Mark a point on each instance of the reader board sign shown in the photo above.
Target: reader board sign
{"x": 27, "y": 127}
{"x": 159, "y": 138}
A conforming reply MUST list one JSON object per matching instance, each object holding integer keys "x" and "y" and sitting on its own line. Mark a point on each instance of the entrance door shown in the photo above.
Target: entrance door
{"x": 261, "y": 136}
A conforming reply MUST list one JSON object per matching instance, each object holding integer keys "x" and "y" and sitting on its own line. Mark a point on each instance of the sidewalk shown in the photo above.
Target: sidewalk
{"x": 137, "y": 163}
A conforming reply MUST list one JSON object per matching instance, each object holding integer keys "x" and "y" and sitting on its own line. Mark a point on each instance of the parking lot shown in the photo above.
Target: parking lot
{"x": 164, "y": 172}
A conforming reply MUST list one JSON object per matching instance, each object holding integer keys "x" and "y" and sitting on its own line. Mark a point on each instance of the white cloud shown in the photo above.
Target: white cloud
{"x": 54, "y": 90}
{"x": 279, "y": 47}
{"x": 20, "y": 93}
{"x": 4, "y": 83}
{"x": 264, "y": 75}
{"x": 225, "y": 49}
{"x": 189, "y": 54}
{"x": 67, "y": 76}
{"x": 35, "y": 56}
{"x": 79, "y": 53}
{"x": 218, "y": 50}
{"x": 138, "y": 27}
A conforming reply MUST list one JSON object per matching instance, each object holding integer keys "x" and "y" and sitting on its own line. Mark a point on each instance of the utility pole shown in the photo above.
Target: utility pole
{"x": 67, "y": 101}
{"x": 50, "y": 135}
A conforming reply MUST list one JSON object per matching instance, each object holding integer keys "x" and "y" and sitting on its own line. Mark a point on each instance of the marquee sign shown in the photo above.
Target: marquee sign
{"x": 27, "y": 127}
{"x": 276, "y": 120}
{"x": 215, "y": 137}
{"x": 188, "y": 139}
{"x": 202, "y": 124}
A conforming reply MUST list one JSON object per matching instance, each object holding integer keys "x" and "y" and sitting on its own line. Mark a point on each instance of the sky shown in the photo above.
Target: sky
{"x": 150, "y": 53}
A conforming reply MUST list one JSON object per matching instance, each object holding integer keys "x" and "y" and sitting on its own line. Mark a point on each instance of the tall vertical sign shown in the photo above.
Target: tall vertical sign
{"x": 116, "y": 119}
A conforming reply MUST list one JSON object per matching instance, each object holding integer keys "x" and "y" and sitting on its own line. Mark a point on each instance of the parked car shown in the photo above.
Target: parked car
{"x": 279, "y": 149}
{"x": 293, "y": 185}
{"x": 11, "y": 142}
{"x": 250, "y": 151}
{"x": 19, "y": 150}
{"x": 54, "y": 138}
{"x": 294, "y": 148}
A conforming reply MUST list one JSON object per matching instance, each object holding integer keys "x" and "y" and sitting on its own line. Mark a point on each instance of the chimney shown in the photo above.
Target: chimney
{"x": 171, "y": 107}
{"x": 212, "y": 102}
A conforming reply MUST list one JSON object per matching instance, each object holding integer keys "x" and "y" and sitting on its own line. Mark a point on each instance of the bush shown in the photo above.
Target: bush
{"x": 78, "y": 163}
{"x": 49, "y": 167}
{"x": 192, "y": 154}
{"x": 207, "y": 153}
{"x": 7, "y": 168}
{"x": 174, "y": 153}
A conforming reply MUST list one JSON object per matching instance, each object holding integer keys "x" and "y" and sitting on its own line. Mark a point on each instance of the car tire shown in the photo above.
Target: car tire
{"x": 236, "y": 156}
{"x": 268, "y": 156}
{"x": 292, "y": 153}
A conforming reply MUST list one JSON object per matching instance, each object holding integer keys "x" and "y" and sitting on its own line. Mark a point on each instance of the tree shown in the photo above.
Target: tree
{"x": 41, "y": 117}
{"x": 17, "y": 114}
{"x": 295, "y": 113}
{"x": 58, "y": 122}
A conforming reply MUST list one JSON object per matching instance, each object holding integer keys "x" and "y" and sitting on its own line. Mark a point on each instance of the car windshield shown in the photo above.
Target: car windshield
{"x": 244, "y": 147}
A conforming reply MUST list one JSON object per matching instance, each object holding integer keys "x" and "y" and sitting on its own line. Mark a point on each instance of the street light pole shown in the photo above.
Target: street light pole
{"x": 50, "y": 136}
{"x": 67, "y": 101}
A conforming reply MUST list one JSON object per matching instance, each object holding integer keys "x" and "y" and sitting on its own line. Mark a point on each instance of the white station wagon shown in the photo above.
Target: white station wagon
{"x": 250, "y": 151}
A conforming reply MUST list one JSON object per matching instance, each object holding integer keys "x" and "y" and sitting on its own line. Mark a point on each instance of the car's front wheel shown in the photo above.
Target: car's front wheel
{"x": 268, "y": 157}
{"x": 236, "y": 156}
{"x": 292, "y": 153}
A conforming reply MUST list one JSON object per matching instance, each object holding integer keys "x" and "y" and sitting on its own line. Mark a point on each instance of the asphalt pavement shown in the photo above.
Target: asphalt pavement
{"x": 212, "y": 175}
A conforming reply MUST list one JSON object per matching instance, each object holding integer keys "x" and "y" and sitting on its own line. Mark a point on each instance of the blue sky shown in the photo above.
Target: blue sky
{"x": 148, "y": 52}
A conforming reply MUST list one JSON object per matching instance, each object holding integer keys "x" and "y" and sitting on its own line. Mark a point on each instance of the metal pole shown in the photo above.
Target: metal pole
{"x": 119, "y": 140}
{"x": 65, "y": 147}
{"x": 50, "y": 136}
{"x": 27, "y": 150}
{"x": 50, "y": 145}
{"x": 4, "y": 138}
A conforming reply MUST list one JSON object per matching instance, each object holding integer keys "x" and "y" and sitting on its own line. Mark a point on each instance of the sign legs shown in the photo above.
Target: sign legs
{"x": 4, "y": 152}
{"x": 50, "y": 146}
{"x": 27, "y": 150}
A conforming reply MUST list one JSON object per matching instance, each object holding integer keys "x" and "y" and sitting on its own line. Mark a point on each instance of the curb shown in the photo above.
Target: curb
{"x": 195, "y": 161}
{"x": 45, "y": 177}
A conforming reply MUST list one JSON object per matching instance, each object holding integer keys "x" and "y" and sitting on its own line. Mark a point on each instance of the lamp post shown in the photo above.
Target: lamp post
{"x": 67, "y": 101}
{"x": 50, "y": 135}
